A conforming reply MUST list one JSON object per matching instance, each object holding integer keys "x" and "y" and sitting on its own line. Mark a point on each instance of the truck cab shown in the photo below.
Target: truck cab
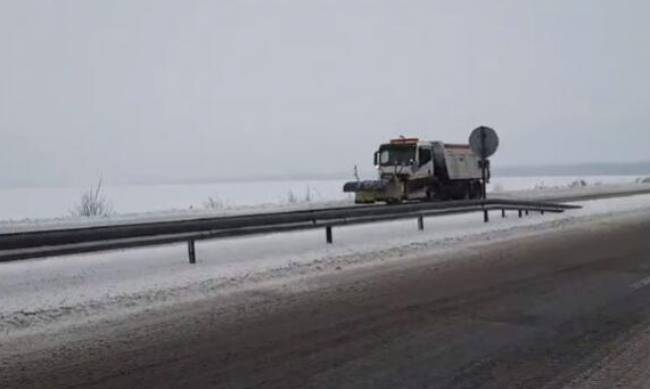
{"x": 408, "y": 161}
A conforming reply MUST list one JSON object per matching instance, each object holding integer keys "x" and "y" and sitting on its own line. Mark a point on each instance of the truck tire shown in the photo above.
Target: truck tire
{"x": 475, "y": 190}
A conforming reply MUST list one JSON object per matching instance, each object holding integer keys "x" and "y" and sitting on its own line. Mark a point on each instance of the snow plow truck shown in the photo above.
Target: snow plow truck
{"x": 413, "y": 169}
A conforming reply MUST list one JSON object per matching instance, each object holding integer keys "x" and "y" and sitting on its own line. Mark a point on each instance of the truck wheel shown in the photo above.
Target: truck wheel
{"x": 430, "y": 197}
{"x": 462, "y": 194}
{"x": 475, "y": 190}
{"x": 435, "y": 193}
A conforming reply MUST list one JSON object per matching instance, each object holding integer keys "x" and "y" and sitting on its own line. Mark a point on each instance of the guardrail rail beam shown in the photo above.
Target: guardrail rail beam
{"x": 76, "y": 240}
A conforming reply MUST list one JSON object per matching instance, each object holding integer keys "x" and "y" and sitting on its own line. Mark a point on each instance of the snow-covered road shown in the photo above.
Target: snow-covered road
{"x": 39, "y": 295}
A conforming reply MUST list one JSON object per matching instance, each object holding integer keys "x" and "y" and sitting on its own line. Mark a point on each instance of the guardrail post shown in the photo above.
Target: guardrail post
{"x": 520, "y": 213}
{"x": 328, "y": 234}
{"x": 420, "y": 223}
{"x": 503, "y": 212}
{"x": 191, "y": 251}
{"x": 486, "y": 217}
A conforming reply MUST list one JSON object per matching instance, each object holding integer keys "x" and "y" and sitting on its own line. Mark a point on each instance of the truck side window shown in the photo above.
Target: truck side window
{"x": 425, "y": 156}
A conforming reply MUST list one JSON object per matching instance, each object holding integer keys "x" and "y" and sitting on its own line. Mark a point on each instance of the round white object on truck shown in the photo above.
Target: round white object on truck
{"x": 484, "y": 141}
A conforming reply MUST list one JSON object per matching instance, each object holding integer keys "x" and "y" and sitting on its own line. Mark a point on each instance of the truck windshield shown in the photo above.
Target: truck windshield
{"x": 396, "y": 154}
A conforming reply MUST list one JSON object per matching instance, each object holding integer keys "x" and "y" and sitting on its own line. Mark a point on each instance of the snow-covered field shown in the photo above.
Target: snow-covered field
{"x": 39, "y": 295}
{"x": 43, "y": 208}
{"x": 48, "y": 203}
{"x": 51, "y": 202}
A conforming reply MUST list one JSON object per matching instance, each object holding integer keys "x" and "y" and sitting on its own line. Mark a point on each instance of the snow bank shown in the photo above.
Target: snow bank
{"x": 575, "y": 189}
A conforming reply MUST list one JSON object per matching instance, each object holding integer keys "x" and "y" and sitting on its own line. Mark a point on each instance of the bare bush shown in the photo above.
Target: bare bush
{"x": 578, "y": 184}
{"x": 93, "y": 203}
{"x": 308, "y": 194}
{"x": 540, "y": 186}
{"x": 213, "y": 203}
{"x": 291, "y": 197}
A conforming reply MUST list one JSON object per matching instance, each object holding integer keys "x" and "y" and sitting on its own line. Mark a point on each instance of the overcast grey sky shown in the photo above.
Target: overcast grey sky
{"x": 147, "y": 90}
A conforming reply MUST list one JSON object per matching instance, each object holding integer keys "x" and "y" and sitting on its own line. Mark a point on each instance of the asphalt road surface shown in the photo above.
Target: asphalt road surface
{"x": 551, "y": 310}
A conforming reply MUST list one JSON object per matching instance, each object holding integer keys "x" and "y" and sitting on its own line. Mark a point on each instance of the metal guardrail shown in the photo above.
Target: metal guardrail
{"x": 38, "y": 244}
